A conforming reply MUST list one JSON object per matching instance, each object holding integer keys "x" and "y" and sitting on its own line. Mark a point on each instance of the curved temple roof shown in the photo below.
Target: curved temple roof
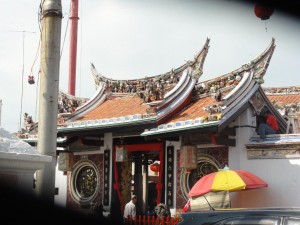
{"x": 218, "y": 101}
{"x": 147, "y": 97}
{"x": 174, "y": 100}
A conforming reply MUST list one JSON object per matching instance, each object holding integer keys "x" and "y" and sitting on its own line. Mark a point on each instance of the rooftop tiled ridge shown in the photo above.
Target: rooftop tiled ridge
{"x": 211, "y": 94}
{"x": 155, "y": 92}
{"x": 152, "y": 91}
{"x": 285, "y": 99}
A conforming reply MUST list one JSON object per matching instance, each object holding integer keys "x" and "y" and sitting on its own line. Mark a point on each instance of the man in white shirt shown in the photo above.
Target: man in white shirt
{"x": 130, "y": 209}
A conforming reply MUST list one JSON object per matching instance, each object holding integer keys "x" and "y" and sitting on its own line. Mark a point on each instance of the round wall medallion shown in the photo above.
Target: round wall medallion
{"x": 84, "y": 182}
{"x": 205, "y": 165}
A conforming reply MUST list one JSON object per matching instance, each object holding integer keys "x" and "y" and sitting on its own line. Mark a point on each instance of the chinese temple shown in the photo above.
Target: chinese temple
{"x": 156, "y": 136}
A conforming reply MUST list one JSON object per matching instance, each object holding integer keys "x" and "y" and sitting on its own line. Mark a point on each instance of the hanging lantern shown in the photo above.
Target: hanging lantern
{"x": 263, "y": 10}
{"x": 188, "y": 159}
{"x": 121, "y": 152}
{"x": 31, "y": 80}
{"x": 155, "y": 168}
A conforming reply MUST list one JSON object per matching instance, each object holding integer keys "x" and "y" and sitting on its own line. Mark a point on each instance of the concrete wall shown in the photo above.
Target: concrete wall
{"x": 17, "y": 170}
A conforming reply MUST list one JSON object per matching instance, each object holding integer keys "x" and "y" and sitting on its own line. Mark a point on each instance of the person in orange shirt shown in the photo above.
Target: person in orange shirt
{"x": 270, "y": 127}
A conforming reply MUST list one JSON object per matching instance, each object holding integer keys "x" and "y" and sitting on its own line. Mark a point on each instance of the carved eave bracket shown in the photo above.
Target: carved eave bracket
{"x": 273, "y": 151}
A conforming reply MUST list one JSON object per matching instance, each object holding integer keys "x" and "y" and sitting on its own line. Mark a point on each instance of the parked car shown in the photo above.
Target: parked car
{"x": 263, "y": 216}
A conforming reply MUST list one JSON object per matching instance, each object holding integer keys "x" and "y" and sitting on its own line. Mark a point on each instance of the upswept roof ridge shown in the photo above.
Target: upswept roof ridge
{"x": 179, "y": 97}
{"x": 230, "y": 80}
{"x": 221, "y": 99}
{"x": 229, "y": 94}
{"x": 196, "y": 104}
{"x": 152, "y": 89}
{"x": 98, "y": 99}
{"x": 159, "y": 90}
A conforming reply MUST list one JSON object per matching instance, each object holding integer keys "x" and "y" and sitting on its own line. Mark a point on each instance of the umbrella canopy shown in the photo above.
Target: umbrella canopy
{"x": 226, "y": 180}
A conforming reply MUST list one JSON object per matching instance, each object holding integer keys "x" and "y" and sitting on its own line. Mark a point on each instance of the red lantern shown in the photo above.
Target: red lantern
{"x": 263, "y": 10}
{"x": 31, "y": 79}
{"x": 155, "y": 167}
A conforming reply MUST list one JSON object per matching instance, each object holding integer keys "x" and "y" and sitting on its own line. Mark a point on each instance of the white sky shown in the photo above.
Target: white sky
{"x": 127, "y": 39}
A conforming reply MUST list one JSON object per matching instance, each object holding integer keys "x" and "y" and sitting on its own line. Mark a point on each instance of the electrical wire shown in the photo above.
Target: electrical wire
{"x": 63, "y": 44}
{"x": 22, "y": 80}
{"x": 31, "y": 73}
{"x": 36, "y": 57}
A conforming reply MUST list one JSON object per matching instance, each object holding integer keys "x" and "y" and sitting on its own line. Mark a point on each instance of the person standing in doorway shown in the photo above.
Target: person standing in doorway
{"x": 130, "y": 209}
{"x": 269, "y": 127}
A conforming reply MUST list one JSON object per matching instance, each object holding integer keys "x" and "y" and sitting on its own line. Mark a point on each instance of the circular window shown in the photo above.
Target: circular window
{"x": 84, "y": 182}
{"x": 206, "y": 164}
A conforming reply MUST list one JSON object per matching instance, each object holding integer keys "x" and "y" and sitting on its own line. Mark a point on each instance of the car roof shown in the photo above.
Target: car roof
{"x": 206, "y": 217}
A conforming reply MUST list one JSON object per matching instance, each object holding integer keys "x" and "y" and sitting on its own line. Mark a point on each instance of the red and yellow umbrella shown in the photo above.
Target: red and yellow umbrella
{"x": 226, "y": 180}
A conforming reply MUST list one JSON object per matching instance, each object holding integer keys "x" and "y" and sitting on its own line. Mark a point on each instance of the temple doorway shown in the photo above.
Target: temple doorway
{"x": 134, "y": 176}
{"x": 144, "y": 180}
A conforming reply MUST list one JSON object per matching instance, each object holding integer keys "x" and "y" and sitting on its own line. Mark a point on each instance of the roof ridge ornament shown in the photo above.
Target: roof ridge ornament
{"x": 153, "y": 88}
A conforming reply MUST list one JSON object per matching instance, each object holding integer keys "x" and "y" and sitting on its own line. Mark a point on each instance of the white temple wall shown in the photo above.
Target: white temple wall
{"x": 61, "y": 182}
{"x": 282, "y": 175}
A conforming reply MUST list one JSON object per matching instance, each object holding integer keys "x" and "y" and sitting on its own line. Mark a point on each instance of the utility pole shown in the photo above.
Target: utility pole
{"x": 48, "y": 96}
